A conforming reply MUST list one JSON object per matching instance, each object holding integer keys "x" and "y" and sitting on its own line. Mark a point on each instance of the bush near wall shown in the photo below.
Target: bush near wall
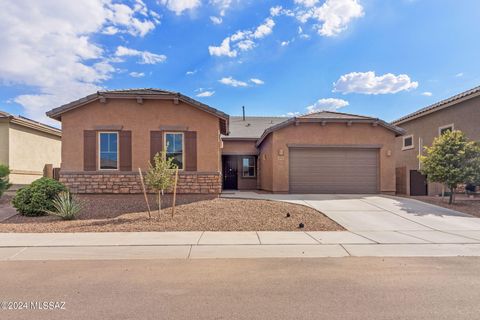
{"x": 37, "y": 198}
{"x": 4, "y": 183}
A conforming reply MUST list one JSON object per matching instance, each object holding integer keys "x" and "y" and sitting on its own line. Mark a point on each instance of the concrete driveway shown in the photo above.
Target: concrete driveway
{"x": 385, "y": 219}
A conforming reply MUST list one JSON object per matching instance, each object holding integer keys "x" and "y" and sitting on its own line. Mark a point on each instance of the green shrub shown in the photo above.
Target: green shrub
{"x": 4, "y": 183}
{"x": 37, "y": 198}
{"x": 66, "y": 206}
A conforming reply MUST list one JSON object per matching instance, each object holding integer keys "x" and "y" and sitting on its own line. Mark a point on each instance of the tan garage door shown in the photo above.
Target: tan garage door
{"x": 333, "y": 170}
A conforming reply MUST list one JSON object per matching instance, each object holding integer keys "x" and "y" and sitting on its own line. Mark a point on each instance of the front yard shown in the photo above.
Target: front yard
{"x": 207, "y": 215}
{"x": 469, "y": 206}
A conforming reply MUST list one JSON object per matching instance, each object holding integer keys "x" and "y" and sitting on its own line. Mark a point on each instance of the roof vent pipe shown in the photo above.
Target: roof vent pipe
{"x": 243, "y": 113}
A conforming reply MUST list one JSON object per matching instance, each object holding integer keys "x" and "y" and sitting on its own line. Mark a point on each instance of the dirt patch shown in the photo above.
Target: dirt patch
{"x": 206, "y": 215}
{"x": 5, "y": 200}
{"x": 469, "y": 206}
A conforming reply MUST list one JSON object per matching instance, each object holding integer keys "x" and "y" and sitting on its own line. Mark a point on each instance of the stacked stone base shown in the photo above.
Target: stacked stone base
{"x": 129, "y": 183}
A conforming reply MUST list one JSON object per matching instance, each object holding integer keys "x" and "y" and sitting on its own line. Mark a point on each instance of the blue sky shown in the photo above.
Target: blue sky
{"x": 373, "y": 57}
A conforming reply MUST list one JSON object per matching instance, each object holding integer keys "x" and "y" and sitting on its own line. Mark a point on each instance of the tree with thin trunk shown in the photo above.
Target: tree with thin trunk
{"x": 160, "y": 175}
{"x": 451, "y": 160}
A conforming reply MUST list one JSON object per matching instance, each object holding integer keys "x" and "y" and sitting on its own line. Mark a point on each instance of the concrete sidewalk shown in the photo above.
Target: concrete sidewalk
{"x": 261, "y": 244}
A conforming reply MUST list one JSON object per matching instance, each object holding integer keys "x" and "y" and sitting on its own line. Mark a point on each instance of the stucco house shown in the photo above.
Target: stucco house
{"x": 108, "y": 135}
{"x": 459, "y": 112}
{"x": 26, "y": 146}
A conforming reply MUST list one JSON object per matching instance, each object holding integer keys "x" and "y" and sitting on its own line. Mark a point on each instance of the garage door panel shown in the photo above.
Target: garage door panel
{"x": 333, "y": 170}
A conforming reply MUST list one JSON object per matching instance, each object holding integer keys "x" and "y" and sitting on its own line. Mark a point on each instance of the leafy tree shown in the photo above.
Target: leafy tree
{"x": 4, "y": 183}
{"x": 452, "y": 159}
{"x": 159, "y": 175}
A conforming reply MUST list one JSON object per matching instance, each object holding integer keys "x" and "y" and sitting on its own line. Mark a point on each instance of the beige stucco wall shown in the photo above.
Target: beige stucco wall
{"x": 140, "y": 119}
{"x": 465, "y": 116}
{"x": 29, "y": 151}
{"x": 275, "y": 168}
{"x": 4, "y": 142}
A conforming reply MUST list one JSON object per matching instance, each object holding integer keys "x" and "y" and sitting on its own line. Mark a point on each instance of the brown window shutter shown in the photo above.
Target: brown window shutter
{"x": 89, "y": 150}
{"x": 125, "y": 150}
{"x": 190, "y": 151}
{"x": 156, "y": 143}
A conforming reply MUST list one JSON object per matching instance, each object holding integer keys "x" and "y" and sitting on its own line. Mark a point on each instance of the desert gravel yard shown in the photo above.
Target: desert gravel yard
{"x": 209, "y": 215}
{"x": 468, "y": 206}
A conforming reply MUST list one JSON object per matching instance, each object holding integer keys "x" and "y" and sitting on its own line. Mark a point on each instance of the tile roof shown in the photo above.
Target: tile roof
{"x": 330, "y": 116}
{"x": 149, "y": 93}
{"x": 251, "y": 127}
{"x": 26, "y": 122}
{"x": 439, "y": 105}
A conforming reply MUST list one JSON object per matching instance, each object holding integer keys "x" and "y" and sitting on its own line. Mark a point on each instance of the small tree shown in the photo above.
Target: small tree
{"x": 4, "y": 183}
{"x": 159, "y": 175}
{"x": 452, "y": 159}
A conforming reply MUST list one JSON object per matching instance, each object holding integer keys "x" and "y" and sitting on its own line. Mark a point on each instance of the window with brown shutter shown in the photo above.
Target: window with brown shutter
{"x": 190, "y": 151}
{"x": 89, "y": 150}
{"x": 125, "y": 150}
{"x": 156, "y": 143}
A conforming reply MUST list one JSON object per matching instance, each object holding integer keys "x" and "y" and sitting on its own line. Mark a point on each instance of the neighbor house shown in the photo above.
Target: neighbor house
{"x": 26, "y": 146}
{"x": 109, "y": 135}
{"x": 460, "y": 112}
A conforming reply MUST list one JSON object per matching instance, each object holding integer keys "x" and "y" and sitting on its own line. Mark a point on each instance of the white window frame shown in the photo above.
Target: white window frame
{"x": 100, "y": 150}
{"x": 408, "y": 147}
{"x": 447, "y": 126}
{"x": 183, "y": 146}
{"x": 254, "y": 167}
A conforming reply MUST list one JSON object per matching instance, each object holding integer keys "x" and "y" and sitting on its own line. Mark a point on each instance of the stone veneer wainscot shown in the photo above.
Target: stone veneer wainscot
{"x": 129, "y": 182}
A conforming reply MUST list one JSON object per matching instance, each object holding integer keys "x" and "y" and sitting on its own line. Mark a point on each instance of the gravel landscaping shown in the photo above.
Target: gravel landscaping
{"x": 469, "y": 206}
{"x": 207, "y": 215}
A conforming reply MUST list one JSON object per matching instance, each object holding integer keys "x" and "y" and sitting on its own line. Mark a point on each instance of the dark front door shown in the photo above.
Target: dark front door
{"x": 230, "y": 172}
{"x": 418, "y": 184}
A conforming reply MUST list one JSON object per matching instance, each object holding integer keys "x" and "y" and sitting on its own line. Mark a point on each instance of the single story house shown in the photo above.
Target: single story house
{"x": 108, "y": 135}
{"x": 459, "y": 112}
{"x": 26, "y": 146}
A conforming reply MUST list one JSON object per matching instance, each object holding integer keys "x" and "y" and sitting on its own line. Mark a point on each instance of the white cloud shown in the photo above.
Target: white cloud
{"x": 332, "y": 17}
{"x": 230, "y": 81}
{"x": 48, "y": 47}
{"x": 427, "y": 94}
{"x": 137, "y": 74}
{"x": 306, "y": 3}
{"x": 216, "y": 20}
{"x": 369, "y": 83}
{"x": 242, "y": 40}
{"x": 178, "y": 6}
{"x": 328, "y": 104}
{"x": 246, "y": 45}
{"x": 285, "y": 43}
{"x": 458, "y": 75}
{"x": 291, "y": 114}
{"x": 191, "y": 72}
{"x": 257, "y": 81}
{"x": 223, "y": 49}
{"x": 146, "y": 57}
{"x": 206, "y": 94}
{"x": 264, "y": 29}
{"x": 275, "y": 11}
{"x": 223, "y": 5}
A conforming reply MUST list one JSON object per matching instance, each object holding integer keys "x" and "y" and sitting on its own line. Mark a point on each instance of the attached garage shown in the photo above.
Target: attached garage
{"x": 333, "y": 170}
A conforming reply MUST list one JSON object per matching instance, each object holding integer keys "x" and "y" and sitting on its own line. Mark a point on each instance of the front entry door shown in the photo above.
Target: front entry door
{"x": 418, "y": 184}
{"x": 230, "y": 173}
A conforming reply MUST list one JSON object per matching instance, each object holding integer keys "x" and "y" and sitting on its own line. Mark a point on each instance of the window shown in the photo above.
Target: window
{"x": 445, "y": 129}
{"x": 174, "y": 148}
{"x": 248, "y": 167}
{"x": 108, "y": 147}
{"x": 408, "y": 142}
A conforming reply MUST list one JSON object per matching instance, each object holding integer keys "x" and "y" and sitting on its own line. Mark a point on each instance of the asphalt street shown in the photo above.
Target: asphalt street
{"x": 325, "y": 288}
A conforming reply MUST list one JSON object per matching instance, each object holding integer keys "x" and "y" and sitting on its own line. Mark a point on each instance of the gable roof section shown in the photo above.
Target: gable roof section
{"x": 149, "y": 93}
{"x": 330, "y": 117}
{"x": 29, "y": 123}
{"x": 466, "y": 95}
{"x": 251, "y": 128}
